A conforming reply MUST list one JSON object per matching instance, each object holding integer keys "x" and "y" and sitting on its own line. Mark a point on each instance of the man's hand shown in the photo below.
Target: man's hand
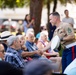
{"x": 39, "y": 52}
{"x": 23, "y": 47}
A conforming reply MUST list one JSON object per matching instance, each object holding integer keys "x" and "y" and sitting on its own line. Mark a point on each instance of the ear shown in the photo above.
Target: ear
{"x": 14, "y": 42}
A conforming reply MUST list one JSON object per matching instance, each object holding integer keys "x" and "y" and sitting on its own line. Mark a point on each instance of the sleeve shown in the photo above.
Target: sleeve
{"x": 69, "y": 30}
{"x": 28, "y": 47}
{"x": 20, "y": 51}
{"x": 24, "y": 23}
{"x": 19, "y": 61}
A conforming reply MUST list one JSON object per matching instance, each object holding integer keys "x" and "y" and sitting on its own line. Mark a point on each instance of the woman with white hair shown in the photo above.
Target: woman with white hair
{"x": 52, "y": 55}
{"x": 43, "y": 40}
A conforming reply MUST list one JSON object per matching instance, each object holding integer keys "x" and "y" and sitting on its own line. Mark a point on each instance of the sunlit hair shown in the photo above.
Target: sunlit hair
{"x": 30, "y": 30}
{"x": 11, "y": 39}
{"x": 43, "y": 33}
{"x": 28, "y": 33}
{"x": 19, "y": 36}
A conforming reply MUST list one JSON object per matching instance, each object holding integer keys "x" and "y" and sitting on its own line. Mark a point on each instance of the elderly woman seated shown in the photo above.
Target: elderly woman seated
{"x": 31, "y": 46}
{"x": 43, "y": 42}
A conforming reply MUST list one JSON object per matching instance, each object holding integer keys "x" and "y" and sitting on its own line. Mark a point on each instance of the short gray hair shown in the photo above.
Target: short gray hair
{"x": 28, "y": 33}
{"x": 11, "y": 39}
{"x": 30, "y": 30}
{"x": 19, "y": 36}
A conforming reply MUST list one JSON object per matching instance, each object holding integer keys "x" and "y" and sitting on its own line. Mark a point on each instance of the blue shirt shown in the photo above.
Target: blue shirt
{"x": 13, "y": 57}
{"x": 32, "y": 47}
{"x": 25, "y": 26}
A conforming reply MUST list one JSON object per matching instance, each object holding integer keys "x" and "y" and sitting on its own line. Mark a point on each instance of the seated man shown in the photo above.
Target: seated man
{"x": 31, "y": 46}
{"x": 12, "y": 56}
{"x": 23, "y": 52}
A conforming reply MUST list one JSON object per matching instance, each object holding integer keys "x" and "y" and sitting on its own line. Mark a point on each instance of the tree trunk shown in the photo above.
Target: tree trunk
{"x": 55, "y": 5}
{"x": 48, "y": 10}
{"x": 48, "y": 13}
{"x": 35, "y": 12}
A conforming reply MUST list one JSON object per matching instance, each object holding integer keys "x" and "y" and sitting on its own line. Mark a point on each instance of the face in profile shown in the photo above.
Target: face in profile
{"x": 22, "y": 40}
{"x": 17, "y": 44}
{"x": 31, "y": 37}
{"x": 53, "y": 19}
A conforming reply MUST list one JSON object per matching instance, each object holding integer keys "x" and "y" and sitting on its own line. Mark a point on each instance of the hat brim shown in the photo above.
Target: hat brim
{"x": 3, "y": 39}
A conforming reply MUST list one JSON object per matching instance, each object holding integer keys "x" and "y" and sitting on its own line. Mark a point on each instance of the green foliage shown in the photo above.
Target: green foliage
{"x": 21, "y": 3}
{"x": 63, "y": 2}
{"x": 12, "y": 3}
{"x": 1, "y": 3}
{"x": 27, "y": 2}
{"x": 45, "y": 1}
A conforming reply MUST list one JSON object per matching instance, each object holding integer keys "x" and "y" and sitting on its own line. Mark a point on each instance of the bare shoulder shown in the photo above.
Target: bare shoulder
{"x": 39, "y": 43}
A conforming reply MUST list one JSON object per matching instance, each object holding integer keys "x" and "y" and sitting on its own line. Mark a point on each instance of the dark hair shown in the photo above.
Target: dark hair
{"x": 25, "y": 19}
{"x": 65, "y": 10}
{"x": 19, "y": 32}
{"x": 55, "y": 14}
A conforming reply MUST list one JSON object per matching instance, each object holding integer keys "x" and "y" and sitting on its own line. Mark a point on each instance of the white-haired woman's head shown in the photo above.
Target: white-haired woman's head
{"x": 43, "y": 36}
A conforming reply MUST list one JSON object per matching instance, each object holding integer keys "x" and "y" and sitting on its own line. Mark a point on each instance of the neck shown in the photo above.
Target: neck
{"x": 67, "y": 16}
{"x": 58, "y": 23}
{"x": 13, "y": 47}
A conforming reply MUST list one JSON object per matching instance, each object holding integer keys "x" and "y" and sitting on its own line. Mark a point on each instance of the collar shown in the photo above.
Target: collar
{"x": 30, "y": 42}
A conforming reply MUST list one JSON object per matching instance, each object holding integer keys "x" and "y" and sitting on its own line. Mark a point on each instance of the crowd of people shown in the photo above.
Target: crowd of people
{"x": 22, "y": 55}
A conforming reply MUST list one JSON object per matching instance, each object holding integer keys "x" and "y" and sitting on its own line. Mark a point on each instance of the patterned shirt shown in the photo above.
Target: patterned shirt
{"x": 13, "y": 57}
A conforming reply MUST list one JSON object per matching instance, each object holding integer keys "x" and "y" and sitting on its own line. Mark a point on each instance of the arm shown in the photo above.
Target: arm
{"x": 39, "y": 45}
{"x": 25, "y": 54}
{"x": 68, "y": 38}
{"x": 70, "y": 34}
{"x": 19, "y": 61}
{"x": 30, "y": 23}
{"x": 51, "y": 54}
{"x": 47, "y": 47}
{"x": 27, "y": 25}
